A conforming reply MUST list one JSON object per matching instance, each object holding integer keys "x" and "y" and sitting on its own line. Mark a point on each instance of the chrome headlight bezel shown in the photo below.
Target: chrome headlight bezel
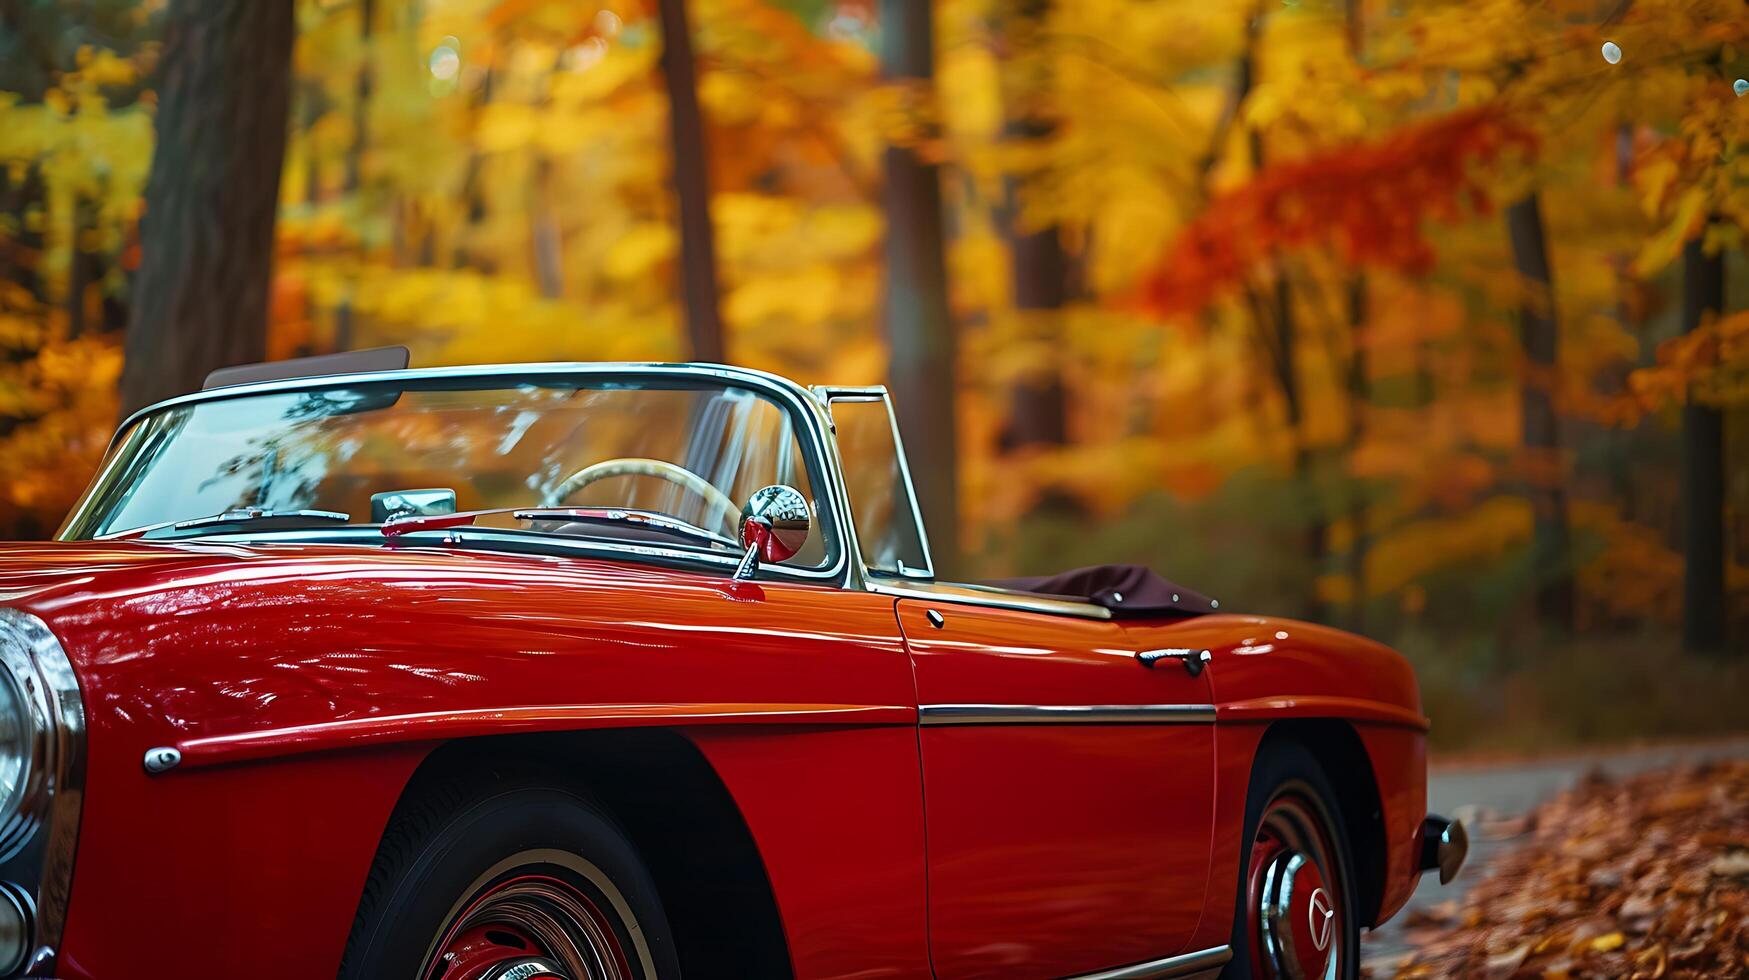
{"x": 21, "y": 801}
{"x": 40, "y": 825}
{"x": 41, "y": 680}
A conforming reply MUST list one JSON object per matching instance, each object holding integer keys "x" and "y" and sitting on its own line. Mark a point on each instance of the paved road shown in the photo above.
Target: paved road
{"x": 1509, "y": 790}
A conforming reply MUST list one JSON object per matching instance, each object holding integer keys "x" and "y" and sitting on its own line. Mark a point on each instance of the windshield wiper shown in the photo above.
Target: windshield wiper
{"x": 251, "y": 516}
{"x": 621, "y": 516}
{"x": 607, "y": 516}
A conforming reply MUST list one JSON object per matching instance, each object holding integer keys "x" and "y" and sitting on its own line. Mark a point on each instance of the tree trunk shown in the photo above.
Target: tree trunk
{"x": 1539, "y": 339}
{"x": 1280, "y": 336}
{"x": 1314, "y": 541}
{"x": 1038, "y": 413}
{"x": 919, "y": 328}
{"x": 1038, "y": 407}
{"x": 698, "y": 259}
{"x": 201, "y": 298}
{"x": 362, "y": 86}
{"x": 1703, "y": 471}
{"x": 549, "y": 262}
{"x": 1358, "y": 397}
{"x": 345, "y": 330}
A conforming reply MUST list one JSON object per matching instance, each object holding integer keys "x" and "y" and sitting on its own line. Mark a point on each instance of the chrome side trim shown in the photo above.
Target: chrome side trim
{"x": 1204, "y": 963}
{"x": 1065, "y": 714}
{"x": 980, "y": 595}
{"x": 64, "y": 786}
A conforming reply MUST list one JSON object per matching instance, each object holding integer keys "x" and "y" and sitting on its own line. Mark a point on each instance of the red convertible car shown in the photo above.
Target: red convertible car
{"x": 640, "y": 670}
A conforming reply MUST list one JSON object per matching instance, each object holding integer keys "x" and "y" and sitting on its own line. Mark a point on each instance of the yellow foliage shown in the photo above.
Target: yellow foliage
{"x": 1663, "y": 248}
{"x": 507, "y": 126}
{"x": 1407, "y": 553}
{"x": 521, "y": 208}
{"x": 67, "y": 397}
{"x": 804, "y": 297}
{"x": 972, "y": 72}
{"x": 639, "y": 251}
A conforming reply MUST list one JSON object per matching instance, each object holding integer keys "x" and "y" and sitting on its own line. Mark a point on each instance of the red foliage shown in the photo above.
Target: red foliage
{"x": 1367, "y": 200}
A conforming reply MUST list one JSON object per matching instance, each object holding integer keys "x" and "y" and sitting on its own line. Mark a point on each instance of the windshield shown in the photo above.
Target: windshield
{"x": 688, "y": 449}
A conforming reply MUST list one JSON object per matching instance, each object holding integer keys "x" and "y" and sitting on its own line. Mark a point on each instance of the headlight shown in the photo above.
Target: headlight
{"x": 42, "y": 750}
{"x": 33, "y": 723}
{"x": 17, "y": 727}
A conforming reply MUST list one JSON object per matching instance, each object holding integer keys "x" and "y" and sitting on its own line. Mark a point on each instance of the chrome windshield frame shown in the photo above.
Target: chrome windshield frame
{"x": 824, "y": 396}
{"x": 814, "y": 438}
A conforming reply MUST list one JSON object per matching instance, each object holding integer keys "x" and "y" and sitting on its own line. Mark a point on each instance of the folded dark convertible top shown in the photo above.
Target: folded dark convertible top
{"x": 1126, "y": 590}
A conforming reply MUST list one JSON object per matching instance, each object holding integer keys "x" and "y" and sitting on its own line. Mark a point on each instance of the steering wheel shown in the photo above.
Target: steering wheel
{"x": 678, "y": 475}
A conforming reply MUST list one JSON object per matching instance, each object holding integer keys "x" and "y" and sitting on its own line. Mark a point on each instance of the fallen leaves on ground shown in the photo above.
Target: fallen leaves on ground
{"x": 1646, "y": 877}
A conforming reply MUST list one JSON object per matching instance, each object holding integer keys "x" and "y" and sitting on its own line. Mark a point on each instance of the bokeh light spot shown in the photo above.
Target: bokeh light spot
{"x": 445, "y": 63}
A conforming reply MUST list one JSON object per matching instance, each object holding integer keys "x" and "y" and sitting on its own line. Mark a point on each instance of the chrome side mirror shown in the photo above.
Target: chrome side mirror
{"x": 774, "y": 526}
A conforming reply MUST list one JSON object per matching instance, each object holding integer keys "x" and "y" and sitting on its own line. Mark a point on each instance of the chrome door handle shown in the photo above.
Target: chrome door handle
{"x": 1193, "y": 660}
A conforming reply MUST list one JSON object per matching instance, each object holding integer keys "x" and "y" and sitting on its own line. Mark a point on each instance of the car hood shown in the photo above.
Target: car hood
{"x": 42, "y": 575}
{"x": 174, "y": 643}
{"x": 91, "y": 593}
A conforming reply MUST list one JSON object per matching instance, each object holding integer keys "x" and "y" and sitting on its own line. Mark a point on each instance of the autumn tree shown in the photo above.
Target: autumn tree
{"x": 1703, "y": 468}
{"x": 919, "y": 328}
{"x": 1539, "y": 336}
{"x": 1695, "y": 184}
{"x": 497, "y": 181}
{"x": 698, "y": 261}
{"x": 75, "y": 139}
{"x": 1040, "y": 265}
{"x": 201, "y": 298}
{"x": 354, "y": 174}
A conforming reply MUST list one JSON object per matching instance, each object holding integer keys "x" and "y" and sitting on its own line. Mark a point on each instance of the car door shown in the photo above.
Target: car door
{"x": 1068, "y": 790}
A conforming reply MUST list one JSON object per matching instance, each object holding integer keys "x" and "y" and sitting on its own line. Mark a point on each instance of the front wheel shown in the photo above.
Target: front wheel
{"x": 1296, "y": 916}
{"x": 514, "y": 881}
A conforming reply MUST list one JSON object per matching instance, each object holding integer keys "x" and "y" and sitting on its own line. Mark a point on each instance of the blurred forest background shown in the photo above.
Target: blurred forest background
{"x": 1419, "y": 317}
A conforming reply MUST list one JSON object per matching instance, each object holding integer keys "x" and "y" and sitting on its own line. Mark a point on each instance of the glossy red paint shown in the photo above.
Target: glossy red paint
{"x": 1264, "y": 670}
{"x": 227, "y": 863}
{"x": 1062, "y": 848}
{"x": 838, "y": 818}
{"x": 245, "y": 652}
{"x": 1399, "y": 763}
{"x": 1235, "y": 749}
{"x": 304, "y": 684}
{"x": 1322, "y": 706}
{"x": 1282, "y": 669}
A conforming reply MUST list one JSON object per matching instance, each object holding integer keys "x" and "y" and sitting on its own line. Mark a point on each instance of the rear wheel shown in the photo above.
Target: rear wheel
{"x": 517, "y": 881}
{"x": 1296, "y": 917}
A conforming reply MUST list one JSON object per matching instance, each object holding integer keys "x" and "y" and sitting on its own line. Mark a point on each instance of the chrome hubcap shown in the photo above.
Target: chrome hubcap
{"x": 531, "y": 926}
{"x": 524, "y": 969}
{"x": 1298, "y": 916}
{"x": 1294, "y": 901}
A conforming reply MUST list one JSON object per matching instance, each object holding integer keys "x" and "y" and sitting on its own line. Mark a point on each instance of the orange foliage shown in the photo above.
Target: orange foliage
{"x": 1711, "y": 363}
{"x": 1369, "y": 201}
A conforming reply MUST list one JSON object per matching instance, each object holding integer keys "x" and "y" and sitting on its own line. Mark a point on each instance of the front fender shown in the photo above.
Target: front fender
{"x": 1263, "y": 670}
